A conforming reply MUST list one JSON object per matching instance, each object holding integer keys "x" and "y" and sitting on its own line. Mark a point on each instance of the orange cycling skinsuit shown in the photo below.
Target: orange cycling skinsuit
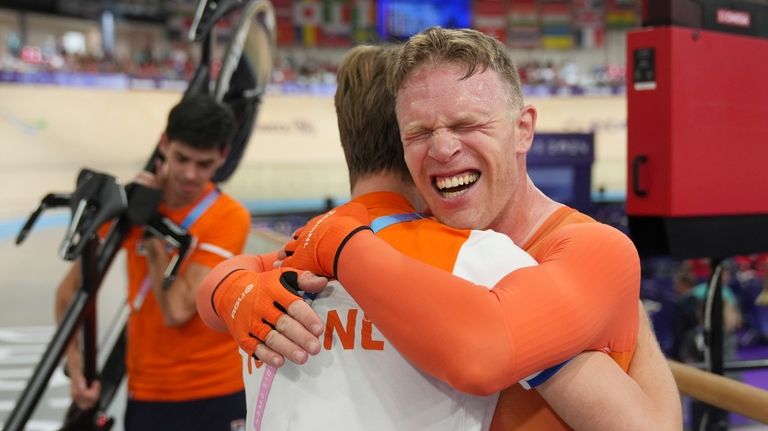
{"x": 190, "y": 361}
{"x": 358, "y": 380}
{"x": 583, "y": 295}
{"x": 526, "y": 410}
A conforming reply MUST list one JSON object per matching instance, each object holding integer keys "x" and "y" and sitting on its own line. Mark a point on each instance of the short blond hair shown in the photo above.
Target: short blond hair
{"x": 470, "y": 49}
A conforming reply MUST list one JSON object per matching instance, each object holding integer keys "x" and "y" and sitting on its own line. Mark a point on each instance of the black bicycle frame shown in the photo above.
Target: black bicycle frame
{"x": 99, "y": 199}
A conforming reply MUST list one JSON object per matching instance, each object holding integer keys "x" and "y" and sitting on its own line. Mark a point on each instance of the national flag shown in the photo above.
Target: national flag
{"x": 284, "y": 21}
{"x": 336, "y": 28}
{"x": 622, "y": 13}
{"x": 523, "y": 14}
{"x": 363, "y": 20}
{"x": 489, "y": 17}
{"x": 306, "y": 20}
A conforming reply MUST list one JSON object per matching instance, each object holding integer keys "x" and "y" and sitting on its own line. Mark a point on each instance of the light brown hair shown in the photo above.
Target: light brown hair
{"x": 365, "y": 110}
{"x": 474, "y": 51}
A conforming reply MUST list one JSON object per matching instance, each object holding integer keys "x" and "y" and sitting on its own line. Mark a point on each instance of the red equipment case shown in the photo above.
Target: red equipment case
{"x": 697, "y": 141}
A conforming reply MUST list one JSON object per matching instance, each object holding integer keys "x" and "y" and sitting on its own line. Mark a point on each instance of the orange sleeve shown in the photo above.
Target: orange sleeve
{"x": 481, "y": 341}
{"x": 223, "y": 230}
{"x": 215, "y": 281}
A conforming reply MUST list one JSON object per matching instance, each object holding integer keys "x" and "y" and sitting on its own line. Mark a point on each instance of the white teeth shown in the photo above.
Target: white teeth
{"x": 450, "y": 195}
{"x": 459, "y": 180}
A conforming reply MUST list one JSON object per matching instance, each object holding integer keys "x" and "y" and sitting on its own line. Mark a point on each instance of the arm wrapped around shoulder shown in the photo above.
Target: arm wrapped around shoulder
{"x": 583, "y": 295}
{"x": 316, "y": 247}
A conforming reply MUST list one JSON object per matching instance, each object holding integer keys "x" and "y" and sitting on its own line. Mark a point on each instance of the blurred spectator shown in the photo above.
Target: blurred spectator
{"x": 762, "y": 298}
{"x": 687, "y": 320}
{"x": 689, "y": 343}
{"x": 178, "y": 63}
{"x": 731, "y": 311}
{"x": 689, "y": 314}
{"x": 754, "y": 299}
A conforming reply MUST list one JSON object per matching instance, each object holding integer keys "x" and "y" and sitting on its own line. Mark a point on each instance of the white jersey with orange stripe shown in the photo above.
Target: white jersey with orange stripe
{"x": 359, "y": 381}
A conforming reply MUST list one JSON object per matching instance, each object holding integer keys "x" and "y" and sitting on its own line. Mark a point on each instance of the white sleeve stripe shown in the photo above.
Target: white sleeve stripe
{"x": 542, "y": 376}
{"x": 215, "y": 249}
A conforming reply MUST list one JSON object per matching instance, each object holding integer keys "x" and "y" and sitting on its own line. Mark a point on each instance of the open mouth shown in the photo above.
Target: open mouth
{"x": 455, "y": 185}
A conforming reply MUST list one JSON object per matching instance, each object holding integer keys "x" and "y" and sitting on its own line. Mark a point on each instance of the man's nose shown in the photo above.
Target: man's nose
{"x": 444, "y": 145}
{"x": 190, "y": 171}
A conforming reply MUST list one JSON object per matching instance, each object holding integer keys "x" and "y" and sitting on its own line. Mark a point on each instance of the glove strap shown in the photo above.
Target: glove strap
{"x": 213, "y": 293}
{"x": 343, "y": 243}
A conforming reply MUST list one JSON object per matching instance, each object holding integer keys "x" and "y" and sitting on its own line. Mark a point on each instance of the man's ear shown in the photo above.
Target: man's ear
{"x": 163, "y": 145}
{"x": 525, "y": 127}
{"x": 224, "y": 152}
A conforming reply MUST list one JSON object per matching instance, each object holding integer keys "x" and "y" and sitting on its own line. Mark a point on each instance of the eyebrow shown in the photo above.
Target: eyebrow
{"x": 414, "y": 128}
{"x": 461, "y": 119}
{"x": 183, "y": 156}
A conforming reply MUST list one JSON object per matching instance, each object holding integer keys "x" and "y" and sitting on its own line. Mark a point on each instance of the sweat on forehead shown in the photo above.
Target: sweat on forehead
{"x": 486, "y": 84}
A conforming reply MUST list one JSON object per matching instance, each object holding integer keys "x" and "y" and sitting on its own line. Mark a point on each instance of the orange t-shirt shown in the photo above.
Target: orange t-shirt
{"x": 190, "y": 361}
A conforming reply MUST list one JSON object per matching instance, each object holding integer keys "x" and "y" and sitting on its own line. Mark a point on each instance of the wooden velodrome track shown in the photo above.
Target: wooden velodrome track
{"x": 48, "y": 133}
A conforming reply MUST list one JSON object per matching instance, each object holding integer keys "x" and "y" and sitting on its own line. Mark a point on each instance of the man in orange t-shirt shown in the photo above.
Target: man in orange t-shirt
{"x": 181, "y": 374}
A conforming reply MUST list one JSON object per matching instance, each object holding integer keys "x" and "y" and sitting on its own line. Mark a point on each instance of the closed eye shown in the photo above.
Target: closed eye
{"x": 465, "y": 128}
{"x": 416, "y": 135}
